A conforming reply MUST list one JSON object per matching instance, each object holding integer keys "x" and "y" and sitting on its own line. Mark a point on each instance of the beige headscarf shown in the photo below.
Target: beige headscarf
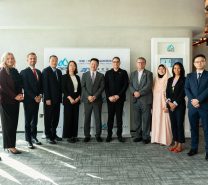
{"x": 160, "y": 84}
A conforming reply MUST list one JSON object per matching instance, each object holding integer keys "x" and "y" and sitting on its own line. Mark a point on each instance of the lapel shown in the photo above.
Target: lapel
{"x": 202, "y": 78}
{"x": 136, "y": 76}
{"x": 89, "y": 79}
{"x": 71, "y": 86}
{"x": 96, "y": 77}
{"x": 176, "y": 85}
{"x": 53, "y": 74}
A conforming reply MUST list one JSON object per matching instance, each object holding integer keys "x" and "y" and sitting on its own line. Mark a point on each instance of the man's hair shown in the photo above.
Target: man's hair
{"x": 142, "y": 58}
{"x": 95, "y": 59}
{"x": 31, "y": 53}
{"x": 53, "y": 56}
{"x": 199, "y": 55}
{"x": 116, "y": 58}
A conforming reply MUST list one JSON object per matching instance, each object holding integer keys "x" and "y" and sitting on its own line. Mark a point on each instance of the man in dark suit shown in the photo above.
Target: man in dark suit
{"x": 196, "y": 88}
{"x": 52, "y": 94}
{"x": 92, "y": 87}
{"x": 116, "y": 84}
{"x": 141, "y": 82}
{"x": 32, "y": 96}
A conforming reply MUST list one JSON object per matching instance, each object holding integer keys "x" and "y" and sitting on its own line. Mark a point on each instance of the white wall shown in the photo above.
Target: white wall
{"x": 27, "y": 26}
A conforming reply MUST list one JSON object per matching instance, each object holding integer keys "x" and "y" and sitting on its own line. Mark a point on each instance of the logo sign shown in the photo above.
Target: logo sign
{"x": 170, "y": 48}
{"x": 82, "y": 57}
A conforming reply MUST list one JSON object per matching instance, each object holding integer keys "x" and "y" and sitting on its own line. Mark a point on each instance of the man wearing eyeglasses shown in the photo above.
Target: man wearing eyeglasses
{"x": 141, "y": 82}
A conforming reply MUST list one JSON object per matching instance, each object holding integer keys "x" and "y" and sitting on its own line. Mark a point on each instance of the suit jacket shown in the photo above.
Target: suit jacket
{"x": 116, "y": 83}
{"x": 90, "y": 89}
{"x": 197, "y": 91}
{"x": 144, "y": 87}
{"x": 68, "y": 88}
{"x": 51, "y": 85}
{"x": 178, "y": 94}
{"x": 10, "y": 85}
{"x": 32, "y": 86}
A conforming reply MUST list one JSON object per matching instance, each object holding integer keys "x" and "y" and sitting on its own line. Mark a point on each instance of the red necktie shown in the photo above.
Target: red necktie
{"x": 35, "y": 74}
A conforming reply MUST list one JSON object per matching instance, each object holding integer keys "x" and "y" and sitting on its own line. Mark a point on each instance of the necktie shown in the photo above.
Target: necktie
{"x": 93, "y": 77}
{"x": 55, "y": 73}
{"x": 35, "y": 74}
{"x": 199, "y": 77}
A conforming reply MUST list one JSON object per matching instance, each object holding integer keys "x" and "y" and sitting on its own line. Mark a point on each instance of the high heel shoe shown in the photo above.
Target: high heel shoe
{"x": 14, "y": 151}
{"x": 172, "y": 148}
{"x": 177, "y": 150}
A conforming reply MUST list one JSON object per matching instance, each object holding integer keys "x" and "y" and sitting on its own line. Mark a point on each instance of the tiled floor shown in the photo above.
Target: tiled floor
{"x": 104, "y": 163}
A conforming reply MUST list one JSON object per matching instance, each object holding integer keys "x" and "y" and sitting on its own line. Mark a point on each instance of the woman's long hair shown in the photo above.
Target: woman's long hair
{"x": 4, "y": 59}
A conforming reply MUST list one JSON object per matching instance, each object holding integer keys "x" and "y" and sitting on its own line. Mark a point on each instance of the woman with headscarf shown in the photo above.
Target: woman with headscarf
{"x": 10, "y": 96}
{"x": 161, "y": 127}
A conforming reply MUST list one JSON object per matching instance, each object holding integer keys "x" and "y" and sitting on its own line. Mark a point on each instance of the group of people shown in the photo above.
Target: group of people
{"x": 159, "y": 105}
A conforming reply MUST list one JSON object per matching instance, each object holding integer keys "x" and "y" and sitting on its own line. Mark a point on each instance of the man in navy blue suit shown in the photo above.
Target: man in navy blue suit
{"x": 196, "y": 88}
{"x": 52, "y": 94}
{"x": 32, "y": 96}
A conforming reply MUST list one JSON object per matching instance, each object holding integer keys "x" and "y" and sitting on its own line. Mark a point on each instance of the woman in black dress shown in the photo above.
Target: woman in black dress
{"x": 10, "y": 96}
{"x": 71, "y": 87}
{"x": 175, "y": 95}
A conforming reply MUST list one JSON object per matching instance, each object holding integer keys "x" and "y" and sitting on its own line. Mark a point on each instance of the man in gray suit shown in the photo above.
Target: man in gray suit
{"x": 141, "y": 82}
{"x": 92, "y": 87}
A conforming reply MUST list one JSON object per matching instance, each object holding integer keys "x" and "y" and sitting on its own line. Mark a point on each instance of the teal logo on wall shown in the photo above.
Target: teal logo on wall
{"x": 62, "y": 64}
{"x": 170, "y": 48}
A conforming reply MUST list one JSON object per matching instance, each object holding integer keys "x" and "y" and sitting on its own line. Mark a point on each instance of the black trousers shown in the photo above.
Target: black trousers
{"x": 115, "y": 109}
{"x": 9, "y": 120}
{"x": 51, "y": 119}
{"x": 31, "y": 120}
{"x": 71, "y": 118}
{"x": 177, "y": 123}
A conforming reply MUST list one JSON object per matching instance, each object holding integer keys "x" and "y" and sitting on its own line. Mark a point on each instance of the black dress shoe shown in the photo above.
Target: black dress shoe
{"x": 137, "y": 139}
{"x": 71, "y": 140}
{"x": 35, "y": 141}
{"x": 30, "y": 145}
{"x": 50, "y": 141}
{"x": 86, "y": 139}
{"x": 146, "y": 141}
{"x": 76, "y": 139}
{"x": 99, "y": 139}
{"x": 121, "y": 139}
{"x": 108, "y": 139}
{"x": 192, "y": 152}
{"x": 206, "y": 156}
{"x": 58, "y": 138}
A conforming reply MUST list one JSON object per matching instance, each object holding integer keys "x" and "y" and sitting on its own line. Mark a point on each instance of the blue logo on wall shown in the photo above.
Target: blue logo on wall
{"x": 84, "y": 69}
{"x": 62, "y": 64}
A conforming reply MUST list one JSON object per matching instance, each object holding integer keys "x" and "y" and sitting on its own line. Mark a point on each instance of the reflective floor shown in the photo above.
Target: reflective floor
{"x": 104, "y": 163}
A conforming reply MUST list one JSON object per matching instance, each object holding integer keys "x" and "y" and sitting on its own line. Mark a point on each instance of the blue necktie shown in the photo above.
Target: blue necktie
{"x": 199, "y": 77}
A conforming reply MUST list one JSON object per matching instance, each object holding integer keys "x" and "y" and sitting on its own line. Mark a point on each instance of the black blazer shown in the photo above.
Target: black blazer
{"x": 178, "y": 94}
{"x": 198, "y": 91}
{"x": 51, "y": 85}
{"x": 10, "y": 85}
{"x": 32, "y": 87}
{"x": 68, "y": 88}
{"x": 116, "y": 83}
